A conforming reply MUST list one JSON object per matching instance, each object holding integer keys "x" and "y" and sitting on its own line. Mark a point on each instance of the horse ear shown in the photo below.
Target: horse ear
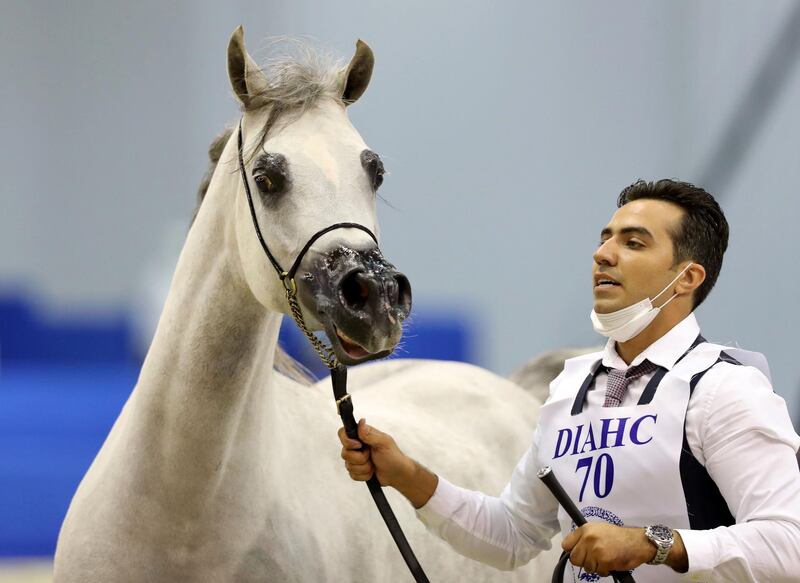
{"x": 246, "y": 78}
{"x": 357, "y": 75}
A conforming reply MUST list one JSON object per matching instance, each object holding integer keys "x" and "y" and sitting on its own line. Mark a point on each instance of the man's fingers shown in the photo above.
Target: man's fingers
{"x": 571, "y": 540}
{"x": 346, "y": 441}
{"x": 355, "y": 457}
{"x": 578, "y": 556}
{"x": 360, "y": 472}
{"x": 358, "y": 468}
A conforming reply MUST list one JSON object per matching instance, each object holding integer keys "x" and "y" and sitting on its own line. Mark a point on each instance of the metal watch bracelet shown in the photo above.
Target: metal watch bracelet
{"x": 663, "y": 538}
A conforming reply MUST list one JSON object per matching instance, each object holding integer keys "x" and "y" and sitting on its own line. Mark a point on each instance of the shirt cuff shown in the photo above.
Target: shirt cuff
{"x": 700, "y": 552}
{"x": 444, "y": 503}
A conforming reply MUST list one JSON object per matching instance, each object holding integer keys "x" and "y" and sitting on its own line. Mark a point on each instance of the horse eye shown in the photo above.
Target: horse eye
{"x": 269, "y": 184}
{"x": 271, "y": 173}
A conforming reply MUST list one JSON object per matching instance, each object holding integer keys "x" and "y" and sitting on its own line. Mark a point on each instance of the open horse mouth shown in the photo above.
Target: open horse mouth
{"x": 352, "y": 348}
{"x": 361, "y": 300}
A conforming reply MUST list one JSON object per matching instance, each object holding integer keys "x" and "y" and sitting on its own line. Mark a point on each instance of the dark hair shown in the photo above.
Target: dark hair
{"x": 703, "y": 233}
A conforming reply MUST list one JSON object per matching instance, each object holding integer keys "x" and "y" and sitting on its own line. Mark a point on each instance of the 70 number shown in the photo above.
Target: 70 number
{"x": 603, "y": 474}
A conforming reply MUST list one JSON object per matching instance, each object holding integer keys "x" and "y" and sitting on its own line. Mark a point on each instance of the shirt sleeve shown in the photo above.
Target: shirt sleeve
{"x": 749, "y": 449}
{"x": 504, "y": 532}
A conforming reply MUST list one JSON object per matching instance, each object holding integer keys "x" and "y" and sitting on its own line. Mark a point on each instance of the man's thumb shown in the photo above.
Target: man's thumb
{"x": 368, "y": 434}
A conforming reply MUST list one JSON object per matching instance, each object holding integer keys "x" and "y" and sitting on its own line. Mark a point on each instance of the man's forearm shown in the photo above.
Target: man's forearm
{"x": 419, "y": 485}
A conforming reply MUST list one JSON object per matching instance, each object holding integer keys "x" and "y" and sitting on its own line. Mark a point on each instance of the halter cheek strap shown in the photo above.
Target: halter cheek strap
{"x": 287, "y": 277}
{"x": 325, "y": 352}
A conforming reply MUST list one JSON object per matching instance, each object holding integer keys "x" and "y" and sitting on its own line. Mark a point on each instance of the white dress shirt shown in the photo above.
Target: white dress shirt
{"x": 736, "y": 426}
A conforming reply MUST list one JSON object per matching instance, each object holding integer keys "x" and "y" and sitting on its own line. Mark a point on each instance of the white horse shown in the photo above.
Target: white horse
{"x": 220, "y": 468}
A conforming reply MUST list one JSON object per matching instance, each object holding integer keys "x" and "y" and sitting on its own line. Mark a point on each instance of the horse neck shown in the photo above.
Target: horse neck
{"x": 204, "y": 393}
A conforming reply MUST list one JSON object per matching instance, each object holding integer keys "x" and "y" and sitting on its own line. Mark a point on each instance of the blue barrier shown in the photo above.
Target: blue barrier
{"x": 63, "y": 382}
{"x": 27, "y": 335}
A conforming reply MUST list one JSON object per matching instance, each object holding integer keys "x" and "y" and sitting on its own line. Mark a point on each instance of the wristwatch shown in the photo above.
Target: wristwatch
{"x": 662, "y": 537}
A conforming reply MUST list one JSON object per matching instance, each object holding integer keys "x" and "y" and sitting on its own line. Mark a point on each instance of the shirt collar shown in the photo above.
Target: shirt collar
{"x": 664, "y": 352}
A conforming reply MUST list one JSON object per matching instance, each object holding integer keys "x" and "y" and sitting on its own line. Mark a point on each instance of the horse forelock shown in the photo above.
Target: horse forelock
{"x": 298, "y": 75}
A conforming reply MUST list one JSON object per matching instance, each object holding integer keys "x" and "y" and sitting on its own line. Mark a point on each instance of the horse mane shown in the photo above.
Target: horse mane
{"x": 214, "y": 154}
{"x": 284, "y": 363}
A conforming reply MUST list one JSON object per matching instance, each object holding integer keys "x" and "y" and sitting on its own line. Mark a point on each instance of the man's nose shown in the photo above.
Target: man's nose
{"x": 605, "y": 254}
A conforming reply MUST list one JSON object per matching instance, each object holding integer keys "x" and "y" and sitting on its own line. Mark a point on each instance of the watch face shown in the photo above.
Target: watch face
{"x": 661, "y": 532}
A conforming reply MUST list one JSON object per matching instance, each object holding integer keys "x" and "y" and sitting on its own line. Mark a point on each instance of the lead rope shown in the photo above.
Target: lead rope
{"x": 547, "y": 476}
{"x": 344, "y": 403}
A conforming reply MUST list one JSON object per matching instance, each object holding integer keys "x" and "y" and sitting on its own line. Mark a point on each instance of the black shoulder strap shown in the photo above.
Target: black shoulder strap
{"x": 705, "y": 505}
{"x": 650, "y": 390}
{"x": 588, "y": 383}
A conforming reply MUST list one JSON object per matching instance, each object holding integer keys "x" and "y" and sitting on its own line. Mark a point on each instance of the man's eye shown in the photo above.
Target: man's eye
{"x": 634, "y": 244}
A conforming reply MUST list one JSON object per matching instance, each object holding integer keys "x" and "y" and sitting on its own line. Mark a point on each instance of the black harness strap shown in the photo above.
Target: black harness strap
{"x": 588, "y": 385}
{"x": 650, "y": 390}
{"x": 272, "y": 259}
{"x": 705, "y": 505}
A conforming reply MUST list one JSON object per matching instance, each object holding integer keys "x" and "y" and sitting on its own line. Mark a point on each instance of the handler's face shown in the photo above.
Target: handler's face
{"x": 636, "y": 253}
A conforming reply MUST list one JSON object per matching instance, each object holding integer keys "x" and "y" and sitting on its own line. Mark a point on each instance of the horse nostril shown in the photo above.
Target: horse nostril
{"x": 403, "y": 292}
{"x": 354, "y": 290}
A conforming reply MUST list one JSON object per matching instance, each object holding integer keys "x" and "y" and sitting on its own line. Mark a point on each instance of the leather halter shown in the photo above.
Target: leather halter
{"x": 344, "y": 404}
{"x": 287, "y": 277}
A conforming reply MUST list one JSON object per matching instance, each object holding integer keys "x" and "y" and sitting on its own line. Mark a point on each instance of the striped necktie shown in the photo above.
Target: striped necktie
{"x": 618, "y": 381}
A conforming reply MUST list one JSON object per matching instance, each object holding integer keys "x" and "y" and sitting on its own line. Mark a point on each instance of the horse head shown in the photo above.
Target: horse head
{"x": 307, "y": 170}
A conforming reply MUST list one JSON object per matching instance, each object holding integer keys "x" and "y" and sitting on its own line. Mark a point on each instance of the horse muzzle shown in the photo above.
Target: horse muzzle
{"x": 361, "y": 300}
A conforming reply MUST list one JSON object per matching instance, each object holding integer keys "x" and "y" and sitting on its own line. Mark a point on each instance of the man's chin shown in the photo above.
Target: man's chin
{"x": 601, "y": 307}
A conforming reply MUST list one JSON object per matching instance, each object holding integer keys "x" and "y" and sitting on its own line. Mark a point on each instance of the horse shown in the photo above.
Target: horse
{"x": 220, "y": 466}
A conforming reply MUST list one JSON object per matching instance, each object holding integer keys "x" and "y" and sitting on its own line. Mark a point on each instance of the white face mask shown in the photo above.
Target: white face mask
{"x": 626, "y": 323}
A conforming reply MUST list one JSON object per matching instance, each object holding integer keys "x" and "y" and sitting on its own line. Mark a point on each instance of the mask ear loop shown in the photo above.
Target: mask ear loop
{"x": 669, "y": 284}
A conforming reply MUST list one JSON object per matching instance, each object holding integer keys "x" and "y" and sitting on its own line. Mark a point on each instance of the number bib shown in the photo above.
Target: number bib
{"x": 620, "y": 465}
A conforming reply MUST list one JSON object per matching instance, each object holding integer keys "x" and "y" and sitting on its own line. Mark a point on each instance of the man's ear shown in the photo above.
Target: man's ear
{"x": 691, "y": 279}
{"x": 355, "y": 78}
{"x": 246, "y": 78}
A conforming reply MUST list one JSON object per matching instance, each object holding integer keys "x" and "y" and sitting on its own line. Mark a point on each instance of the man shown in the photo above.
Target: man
{"x": 681, "y": 456}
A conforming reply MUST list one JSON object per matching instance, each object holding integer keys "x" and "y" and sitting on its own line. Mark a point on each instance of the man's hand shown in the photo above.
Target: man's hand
{"x": 602, "y": 548}
{"x": 383, "y": 458}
